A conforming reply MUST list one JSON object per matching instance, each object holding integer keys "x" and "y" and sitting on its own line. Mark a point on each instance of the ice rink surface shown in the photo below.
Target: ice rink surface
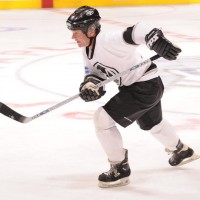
{"x": 57, "y": 156}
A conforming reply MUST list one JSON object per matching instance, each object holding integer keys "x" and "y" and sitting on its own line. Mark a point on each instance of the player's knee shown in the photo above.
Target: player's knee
{"x": 157, "y": 128}
{"x": 102, "y": 120}
{"x": 145, "y": 126}
{"x": 149, "y": 125}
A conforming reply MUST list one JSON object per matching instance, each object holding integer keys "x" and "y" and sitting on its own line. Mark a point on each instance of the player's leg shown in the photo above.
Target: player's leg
{"x": 180, "y": 152}
{"x": 165, "y": 133}
{"x": 124, "y": 108}
{"x": 111, "y": 141}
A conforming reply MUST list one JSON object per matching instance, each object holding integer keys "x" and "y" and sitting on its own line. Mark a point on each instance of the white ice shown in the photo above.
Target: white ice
{"x": 57, "y": 156}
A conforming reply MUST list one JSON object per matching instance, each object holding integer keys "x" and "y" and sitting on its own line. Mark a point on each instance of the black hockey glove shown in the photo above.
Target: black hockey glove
{"x": 87, "y": 89}
{"x": 156, "y": 41}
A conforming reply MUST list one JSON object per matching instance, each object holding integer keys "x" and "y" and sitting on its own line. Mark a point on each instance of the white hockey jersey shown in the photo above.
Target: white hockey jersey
{"x": 113, "y": 55}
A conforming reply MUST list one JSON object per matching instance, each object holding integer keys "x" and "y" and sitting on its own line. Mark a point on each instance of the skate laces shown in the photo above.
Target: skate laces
{"x": 113, "y": 170}
{"x": 168, "y": 151}
{"x": 177, "y": 151}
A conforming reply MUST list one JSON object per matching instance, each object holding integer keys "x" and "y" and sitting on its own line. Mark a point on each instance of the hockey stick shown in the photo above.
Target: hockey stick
{"x": 7, "y": 111}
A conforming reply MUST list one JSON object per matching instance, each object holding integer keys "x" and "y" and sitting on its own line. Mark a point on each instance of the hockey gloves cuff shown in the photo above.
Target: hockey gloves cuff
{"x": 89, "y": 91}
{"x": 156, "y": 41}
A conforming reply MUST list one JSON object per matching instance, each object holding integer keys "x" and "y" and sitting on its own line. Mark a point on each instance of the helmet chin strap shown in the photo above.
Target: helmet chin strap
{"x": 91, "y": 39}
{"x": 90, "y": 51}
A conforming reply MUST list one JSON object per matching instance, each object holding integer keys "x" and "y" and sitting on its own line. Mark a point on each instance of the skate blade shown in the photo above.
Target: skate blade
{"x": 118, "y": 183}
{"x": 190, "y": 159}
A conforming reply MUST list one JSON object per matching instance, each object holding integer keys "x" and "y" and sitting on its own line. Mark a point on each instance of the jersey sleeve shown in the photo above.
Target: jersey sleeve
{"x": 139, "y": 32}
{"x": 136, "y": 34}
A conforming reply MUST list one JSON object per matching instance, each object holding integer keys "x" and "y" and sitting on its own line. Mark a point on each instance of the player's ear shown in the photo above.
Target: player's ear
{"x": 91, "y": 31}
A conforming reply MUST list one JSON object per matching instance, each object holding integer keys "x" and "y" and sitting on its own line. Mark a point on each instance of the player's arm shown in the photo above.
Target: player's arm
{"x": 88, "y": 90}
{"x": 154, "y": 39}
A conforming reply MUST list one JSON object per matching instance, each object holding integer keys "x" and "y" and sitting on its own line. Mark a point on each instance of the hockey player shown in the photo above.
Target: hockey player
{"x": 140, "y": 91}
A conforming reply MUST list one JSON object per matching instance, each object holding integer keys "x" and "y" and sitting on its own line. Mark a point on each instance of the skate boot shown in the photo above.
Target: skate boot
{"x": 118, "y": 175}
{"x": 182, "y": 155}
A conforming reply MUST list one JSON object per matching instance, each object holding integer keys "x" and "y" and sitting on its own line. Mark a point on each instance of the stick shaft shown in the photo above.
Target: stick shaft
{"x": 7, "y": 111}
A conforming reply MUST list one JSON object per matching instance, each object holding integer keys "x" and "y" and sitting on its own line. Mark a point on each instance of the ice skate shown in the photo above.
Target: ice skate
{"x": 118, "y": 175}
{"x": 182, "y": 155}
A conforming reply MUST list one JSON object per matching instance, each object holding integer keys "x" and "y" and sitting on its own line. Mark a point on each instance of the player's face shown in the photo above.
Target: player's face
{"x": 81, "y": 39}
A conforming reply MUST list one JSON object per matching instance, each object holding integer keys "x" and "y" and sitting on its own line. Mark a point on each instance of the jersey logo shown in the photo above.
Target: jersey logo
{"x": 108, "y": 71}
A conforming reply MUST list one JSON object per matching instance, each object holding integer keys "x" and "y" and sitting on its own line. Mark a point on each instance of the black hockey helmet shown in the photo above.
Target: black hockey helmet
{"x": 82, "y": 18}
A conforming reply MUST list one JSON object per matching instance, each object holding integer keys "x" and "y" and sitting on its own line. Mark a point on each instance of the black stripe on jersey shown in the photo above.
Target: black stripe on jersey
{"x": 127, "y": 35}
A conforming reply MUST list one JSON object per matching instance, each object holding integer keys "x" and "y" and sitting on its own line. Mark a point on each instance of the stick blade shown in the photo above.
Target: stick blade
{"x": 8, "y": 112}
